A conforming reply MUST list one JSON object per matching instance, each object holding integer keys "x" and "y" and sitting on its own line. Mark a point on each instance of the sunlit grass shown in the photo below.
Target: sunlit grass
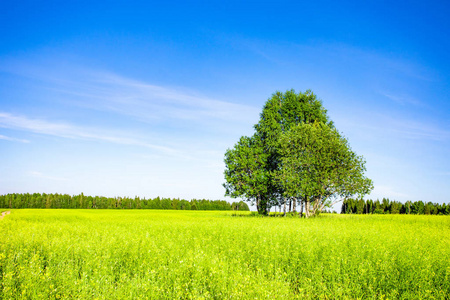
{"x": 115, "y": 254}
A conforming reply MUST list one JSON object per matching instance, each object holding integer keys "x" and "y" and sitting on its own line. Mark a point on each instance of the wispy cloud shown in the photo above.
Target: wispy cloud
{"x": 37, "y": 174}
{"x": 385, "y": 63}
{"x": 66, "y": 130}
{"x": 150, "y": 103}
{"x": 384, "y": 191}
{"x": 7, "y": 138}
{"x": 140, "y": 100}
{"x": 403, "y": 100}
{"x": 412, "y": 129}
{"x": 399, "y": 127}
{"x": 330, "y": 55}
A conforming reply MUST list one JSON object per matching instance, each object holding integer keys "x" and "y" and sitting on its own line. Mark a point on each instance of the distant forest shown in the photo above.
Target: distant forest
{"x": 385, "y": 206}
{"x": 37, "y": 200}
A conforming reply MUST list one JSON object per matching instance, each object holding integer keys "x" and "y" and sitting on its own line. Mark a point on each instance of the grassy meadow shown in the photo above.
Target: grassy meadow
{"x": 139, "y": 254}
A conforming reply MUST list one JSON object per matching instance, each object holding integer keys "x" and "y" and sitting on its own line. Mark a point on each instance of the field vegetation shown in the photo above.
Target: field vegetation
{"x": 156, "y": 254}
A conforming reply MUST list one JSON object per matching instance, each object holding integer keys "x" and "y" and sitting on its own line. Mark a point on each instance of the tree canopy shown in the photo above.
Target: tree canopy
{"x": 295, "y": 155}
{"x": 318, "y": 166}
{"x": 246, "y": 175}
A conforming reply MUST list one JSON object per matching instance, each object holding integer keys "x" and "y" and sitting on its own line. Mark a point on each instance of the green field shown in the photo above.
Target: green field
{"x": 126, "y": 254}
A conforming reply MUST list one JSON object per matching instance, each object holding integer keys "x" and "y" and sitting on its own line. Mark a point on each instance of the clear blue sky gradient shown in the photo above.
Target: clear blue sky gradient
{"x": 121, "y": 99}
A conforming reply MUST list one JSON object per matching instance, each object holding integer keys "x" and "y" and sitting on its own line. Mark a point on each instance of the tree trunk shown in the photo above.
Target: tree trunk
{"x": 301, "y": 208}
{"x": 290, "y": 205}
{"x": 294, "y": 206}
{"x": 263, "y": 209}
{"x": 284, "y": 208}
{"x": 316, "y": 207}
{"x": 307, "y": 208}
{"x": 258, "y": 204}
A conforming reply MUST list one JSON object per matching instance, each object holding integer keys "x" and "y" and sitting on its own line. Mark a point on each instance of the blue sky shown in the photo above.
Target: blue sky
{"x": 121, "y": 99}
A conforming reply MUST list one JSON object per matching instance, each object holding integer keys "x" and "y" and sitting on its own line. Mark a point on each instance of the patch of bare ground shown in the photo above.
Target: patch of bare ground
{"x": 4, "y": 214}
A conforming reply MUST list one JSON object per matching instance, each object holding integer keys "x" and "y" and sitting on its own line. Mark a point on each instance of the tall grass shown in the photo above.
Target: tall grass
{"x": 109, "y": 254}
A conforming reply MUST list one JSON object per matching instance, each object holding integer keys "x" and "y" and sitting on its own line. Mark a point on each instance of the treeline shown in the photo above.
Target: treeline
{"x": 37, "y": 200}
{"x": 385, "y": 206}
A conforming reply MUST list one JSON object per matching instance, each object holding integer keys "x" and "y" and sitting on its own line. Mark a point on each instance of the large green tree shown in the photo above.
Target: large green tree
{"x": 254, "y": 165}
{"x": 279, "y": 114}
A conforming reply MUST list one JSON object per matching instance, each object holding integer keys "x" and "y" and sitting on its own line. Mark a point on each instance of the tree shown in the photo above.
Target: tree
{"x": 281, "y": 112}
{"x": 254, "y": 179}
{"x": 258, "y": 168}
{"x": 369, "y": 206}
{"x": 183, "y": 205}
{"x": 360, "y": 207}
{"x": 418, "y": 208}
{"x": 408, "y": 207}
{"x": 386, "y": 205}
{"x": 396, "y": 207}
{"x": 318, "y": 165}
{"x": 246, "y": 175}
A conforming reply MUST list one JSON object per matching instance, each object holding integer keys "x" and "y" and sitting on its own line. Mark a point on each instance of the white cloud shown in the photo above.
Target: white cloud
{"x": 157, "y": 102}
{"x": 110, "y": 92}
{"x": 66, "y": 130}
{"x": 378, "y": 126}
{"x": 403, "y": 100}
{"x": 7, "y": 138}
{"x": 173, "y": 121}
{"x": 412, "y": 129}
{"x": 37, "y": 174}
{"x": 384, "y": 191}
